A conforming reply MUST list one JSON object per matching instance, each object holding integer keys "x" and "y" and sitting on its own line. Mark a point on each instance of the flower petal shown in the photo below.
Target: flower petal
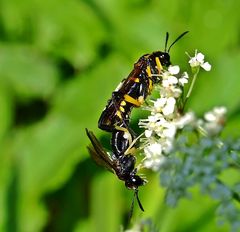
{"x": 206, "y": 66}
{"x": 200, "y": 57}
{"x": 174, "y": 69}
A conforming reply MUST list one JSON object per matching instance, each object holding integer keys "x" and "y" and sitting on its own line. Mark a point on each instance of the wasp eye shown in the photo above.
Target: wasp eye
{"x": 165, "y": 59}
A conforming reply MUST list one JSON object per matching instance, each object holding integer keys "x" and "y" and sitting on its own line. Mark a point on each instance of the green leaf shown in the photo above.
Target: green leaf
{"x": 106, "y": 207}
{"x": 6, "y": 116}
{"x": 25, "y": 72}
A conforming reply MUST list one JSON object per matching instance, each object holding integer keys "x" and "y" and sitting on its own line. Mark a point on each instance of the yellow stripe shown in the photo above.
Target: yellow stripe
{"x": 131, "y": 100}
{"x": 148, "y": 70}
{"x": 141, "y": 100}
{"x": 121, "y": 109}
{"x": 150, "y": 87}
{"x": 119, "y": 114}
{"x": 123, "y": 103}
{"x": 159, "y": 66}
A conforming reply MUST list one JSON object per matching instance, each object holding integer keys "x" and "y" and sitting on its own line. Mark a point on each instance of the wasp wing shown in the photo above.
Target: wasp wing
{"x": 98, "y": 154}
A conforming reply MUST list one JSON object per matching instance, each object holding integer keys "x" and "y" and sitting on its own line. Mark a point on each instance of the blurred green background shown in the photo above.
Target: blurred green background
{"x": 59, "y": 63}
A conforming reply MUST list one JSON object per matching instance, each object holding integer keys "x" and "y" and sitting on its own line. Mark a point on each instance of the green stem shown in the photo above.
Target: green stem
{"x": 192, "y": 84}
{"x": 191, "y": 87}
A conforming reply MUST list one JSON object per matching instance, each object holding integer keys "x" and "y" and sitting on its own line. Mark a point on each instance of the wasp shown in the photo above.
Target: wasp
{"x": 123, "y": 166}
{"x": 132, "y": 92}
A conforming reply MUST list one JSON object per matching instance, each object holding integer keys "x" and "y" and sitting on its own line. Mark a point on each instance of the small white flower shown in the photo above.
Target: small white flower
{"x": 212, "y": 128}
{"x": 183, "y": 79}
{"x": 169, "y": 130}
{"x": 153, "y": 118}
{"x": 165, "y": 129}
{"x": 164, "y": 105}
{"x": 154, "y": 157}
{"x": 154, "y": 149}
{"x": 216, "y": 115}
{"x": 198, "y": 60}
{"x": 152, "y": 123}
{"x": 186, "y": 119}
{"x": 174, "y": 69}
{"x": 172, "y": 80}
{"x": 159, "y": 103}
{"x": 167, "y": 145}
{"x": 169, "y": 107}
{"x": 214, "y": 121}
{"x": 170, "y": 91}
{"x": 148, "y": 133}
{"x": 168, "y": 77}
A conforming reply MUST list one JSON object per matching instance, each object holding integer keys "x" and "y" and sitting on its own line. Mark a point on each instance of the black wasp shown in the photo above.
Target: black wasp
{"x": 131, "y": 93}
{"x": 115, "y": 118}
{"x": 123, "y": 167}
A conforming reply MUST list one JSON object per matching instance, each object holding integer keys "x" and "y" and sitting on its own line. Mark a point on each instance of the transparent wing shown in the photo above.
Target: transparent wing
{"x": 98, "y": 154}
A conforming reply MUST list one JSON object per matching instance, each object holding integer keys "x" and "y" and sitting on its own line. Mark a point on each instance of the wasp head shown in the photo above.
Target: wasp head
{"x": 164, "y": 58}
{"x": 134, "y": 181}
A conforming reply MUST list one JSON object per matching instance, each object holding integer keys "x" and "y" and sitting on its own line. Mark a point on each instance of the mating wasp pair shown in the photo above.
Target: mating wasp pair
{"x": 115, "y": 118}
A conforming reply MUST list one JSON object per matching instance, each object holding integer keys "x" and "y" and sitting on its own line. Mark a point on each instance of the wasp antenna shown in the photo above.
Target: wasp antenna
{"x": 178, "y": 38}
{"x": 132, "y": 205}
{"x": 166, "y": 41}
{"x": 138, "y": 200}
{"x": 131, "y": 209}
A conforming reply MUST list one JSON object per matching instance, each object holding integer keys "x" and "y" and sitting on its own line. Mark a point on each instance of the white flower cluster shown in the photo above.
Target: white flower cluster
{"x": 213, "y": 121}
{"x": 165, "y": 120}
